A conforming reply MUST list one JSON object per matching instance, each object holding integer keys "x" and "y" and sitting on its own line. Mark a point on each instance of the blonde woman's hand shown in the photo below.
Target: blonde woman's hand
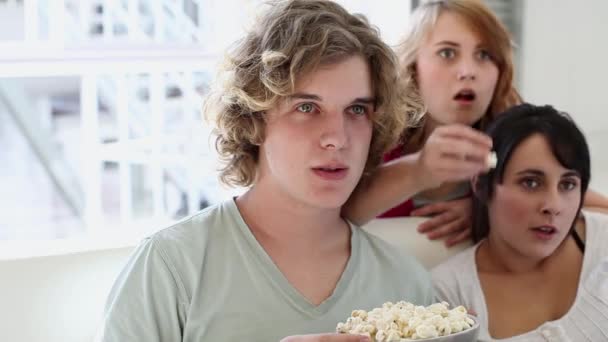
{"x": 327, "y": 338}
{"x": 453, "y": 153}
{"x": 450, "y": 220}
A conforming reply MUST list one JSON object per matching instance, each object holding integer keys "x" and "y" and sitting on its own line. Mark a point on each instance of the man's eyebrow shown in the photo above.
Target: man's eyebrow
{"x": 304, "y": 96}
{"x": 365, "y": 100}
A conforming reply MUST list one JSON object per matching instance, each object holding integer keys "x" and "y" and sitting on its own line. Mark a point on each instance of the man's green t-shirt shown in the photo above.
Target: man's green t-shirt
{"x": 208, "y": 279}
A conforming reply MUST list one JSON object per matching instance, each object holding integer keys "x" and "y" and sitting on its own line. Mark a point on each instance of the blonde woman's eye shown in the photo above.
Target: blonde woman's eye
{"x": 484, "y": 55}
{"x": 447, "y": 53}
{"x": 358, "y": 110}
{"x": 305, "y": 108}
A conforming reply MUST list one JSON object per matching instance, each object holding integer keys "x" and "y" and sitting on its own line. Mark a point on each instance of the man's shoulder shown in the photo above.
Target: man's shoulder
{"x": 400, "y": 258}
{"x": 212, "y": 218}
{"x": 192, "y": 234}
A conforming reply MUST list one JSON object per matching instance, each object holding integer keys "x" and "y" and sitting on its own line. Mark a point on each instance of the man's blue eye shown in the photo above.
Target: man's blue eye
{"x": 359, "y": 110}
{"x": 305, "y": 108}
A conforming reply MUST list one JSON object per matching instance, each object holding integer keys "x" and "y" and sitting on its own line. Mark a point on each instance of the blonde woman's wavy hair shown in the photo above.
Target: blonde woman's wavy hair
{"x": 293, "y": 38}
{"x": 481, "y": 20}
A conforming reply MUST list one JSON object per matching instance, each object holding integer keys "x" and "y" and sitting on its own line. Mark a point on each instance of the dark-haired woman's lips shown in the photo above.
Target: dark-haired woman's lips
{"x": 545, "y": 232}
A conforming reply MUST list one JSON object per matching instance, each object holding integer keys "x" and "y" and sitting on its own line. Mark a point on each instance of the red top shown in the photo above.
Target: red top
{"x": 405, "y": 208}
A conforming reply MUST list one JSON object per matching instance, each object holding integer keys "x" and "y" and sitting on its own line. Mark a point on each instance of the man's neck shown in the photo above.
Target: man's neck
{"x": 310, "y": 246}
{"x": 278, "y": 218}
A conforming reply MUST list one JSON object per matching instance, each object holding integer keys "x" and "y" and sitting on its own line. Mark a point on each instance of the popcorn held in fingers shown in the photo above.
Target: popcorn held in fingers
{"x": 403, "y": 320}
{"x": 492, "y": 160}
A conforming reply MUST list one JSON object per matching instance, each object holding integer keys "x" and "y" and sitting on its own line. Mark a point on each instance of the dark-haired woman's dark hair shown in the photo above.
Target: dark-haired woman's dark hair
{"x": 509, "y": 130}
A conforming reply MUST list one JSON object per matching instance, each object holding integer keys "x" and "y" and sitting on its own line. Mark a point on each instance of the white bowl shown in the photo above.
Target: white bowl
{"x": 469, "y": 335}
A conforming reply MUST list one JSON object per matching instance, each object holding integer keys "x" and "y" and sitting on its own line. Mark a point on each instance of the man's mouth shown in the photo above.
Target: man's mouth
{"x": 330, "y": 169}
{"x": 331, "y": 172}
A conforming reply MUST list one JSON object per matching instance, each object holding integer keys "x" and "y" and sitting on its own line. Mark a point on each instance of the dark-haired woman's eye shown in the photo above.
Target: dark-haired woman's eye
{"x": 530, "y": 183}
{"x": 568, "y": 185}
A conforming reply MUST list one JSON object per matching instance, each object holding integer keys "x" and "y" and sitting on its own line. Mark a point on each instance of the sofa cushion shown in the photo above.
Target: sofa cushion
{"x": 402, "y": 232}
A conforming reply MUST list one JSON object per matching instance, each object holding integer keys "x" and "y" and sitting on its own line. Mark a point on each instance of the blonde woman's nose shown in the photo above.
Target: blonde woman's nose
{"x": 467, "y": 70}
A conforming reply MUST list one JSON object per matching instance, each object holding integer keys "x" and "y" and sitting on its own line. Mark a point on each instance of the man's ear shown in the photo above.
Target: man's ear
{"x": 414, "y": 72}
{"x": 259, "y": 129}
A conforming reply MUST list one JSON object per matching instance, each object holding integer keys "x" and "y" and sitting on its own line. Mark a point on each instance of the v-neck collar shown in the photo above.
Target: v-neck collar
{"x": 274, "y": 274}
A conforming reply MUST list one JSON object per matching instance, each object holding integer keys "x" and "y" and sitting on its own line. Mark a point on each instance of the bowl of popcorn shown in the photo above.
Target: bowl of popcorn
{"x": 403, "y": 321}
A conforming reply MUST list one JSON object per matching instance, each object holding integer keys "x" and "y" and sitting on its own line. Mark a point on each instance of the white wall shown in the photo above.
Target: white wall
{"x": 11, "y": 17}
{"x": 564, "y": 64}
{"x": 390, "y": 18}
{"x": 233, "y": 17}
{"x": 57, "y": 298}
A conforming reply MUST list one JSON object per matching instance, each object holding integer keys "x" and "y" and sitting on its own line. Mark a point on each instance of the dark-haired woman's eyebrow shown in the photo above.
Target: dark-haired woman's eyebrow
{"x": 571, "y": 173}
{"x": 534, "y": 172}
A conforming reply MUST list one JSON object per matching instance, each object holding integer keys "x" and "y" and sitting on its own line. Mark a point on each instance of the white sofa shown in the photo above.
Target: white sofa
{"x": 60, "y": 298}
{"x": 402, "y": 233}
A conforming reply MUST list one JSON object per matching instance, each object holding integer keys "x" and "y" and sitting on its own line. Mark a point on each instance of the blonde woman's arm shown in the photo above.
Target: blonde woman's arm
{"x": 451, "y": 153}
{"x": 595, "y": 201}
{"x": 392, "y": 183}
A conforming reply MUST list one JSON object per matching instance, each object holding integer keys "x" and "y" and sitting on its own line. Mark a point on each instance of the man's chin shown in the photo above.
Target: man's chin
{"x": 332, "y": 197}
{"x": 331, "y": 202}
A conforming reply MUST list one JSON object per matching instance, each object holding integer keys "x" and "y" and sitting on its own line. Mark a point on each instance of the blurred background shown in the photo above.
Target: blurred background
{"x": 101, "y": 136}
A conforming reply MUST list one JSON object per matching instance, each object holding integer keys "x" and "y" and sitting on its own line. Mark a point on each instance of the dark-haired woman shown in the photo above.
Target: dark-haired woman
{"x": 539, "y": 268}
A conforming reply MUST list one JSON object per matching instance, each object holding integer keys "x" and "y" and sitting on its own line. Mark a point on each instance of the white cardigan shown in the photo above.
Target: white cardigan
{"x": 457, "y": 282}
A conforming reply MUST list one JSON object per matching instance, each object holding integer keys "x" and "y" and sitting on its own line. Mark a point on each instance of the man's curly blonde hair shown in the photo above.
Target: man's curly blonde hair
{"x": 292, "y": 38}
